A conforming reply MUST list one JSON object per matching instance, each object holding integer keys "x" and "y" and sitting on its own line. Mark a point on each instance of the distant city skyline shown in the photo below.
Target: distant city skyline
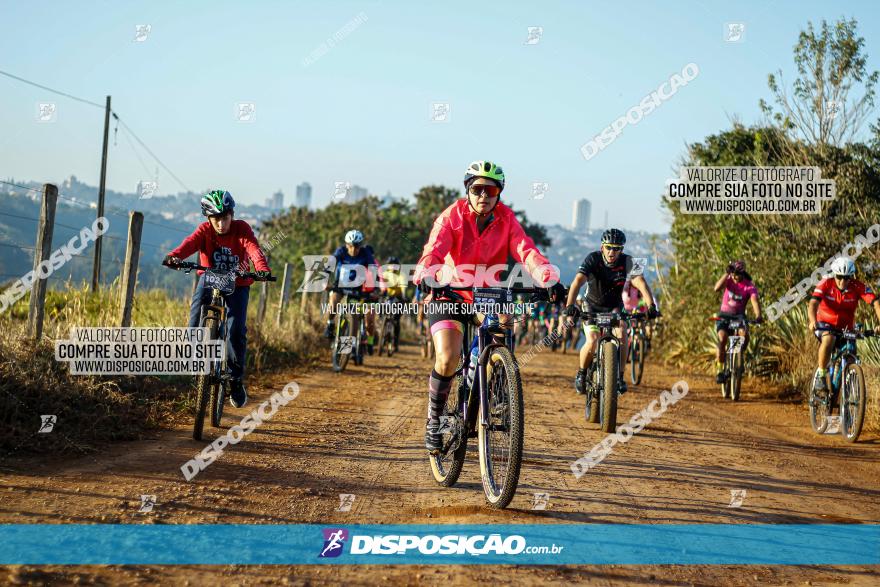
{"x": 222, "y": 96}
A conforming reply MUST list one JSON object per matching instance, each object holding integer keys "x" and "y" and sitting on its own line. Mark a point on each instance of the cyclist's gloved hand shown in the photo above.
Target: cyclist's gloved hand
{"x": 557, "y": 292}
{"x": 171, "y": 261}
{"x": 653, "y": 312}
{"x": 571, "y": 310}
{"x": 263, "y": 274}
{"x": 759, "y": 319}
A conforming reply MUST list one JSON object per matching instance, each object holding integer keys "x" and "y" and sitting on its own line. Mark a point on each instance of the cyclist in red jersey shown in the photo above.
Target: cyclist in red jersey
{"x": 477, "y": 230}
{"x": 833, "y": 306}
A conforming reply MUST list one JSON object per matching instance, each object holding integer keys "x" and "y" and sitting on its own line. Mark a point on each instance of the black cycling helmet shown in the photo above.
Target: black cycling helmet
{"x": 392, "y": 261}
{"x": 612, "y": 236}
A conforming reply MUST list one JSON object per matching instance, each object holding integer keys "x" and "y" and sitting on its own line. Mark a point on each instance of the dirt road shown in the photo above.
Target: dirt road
{"x": 361, "y": 433}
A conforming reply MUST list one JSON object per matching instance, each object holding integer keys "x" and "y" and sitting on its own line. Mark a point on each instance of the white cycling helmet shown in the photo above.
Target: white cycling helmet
{"x": 843, "y": 266}
{"x": 354, "y": 237}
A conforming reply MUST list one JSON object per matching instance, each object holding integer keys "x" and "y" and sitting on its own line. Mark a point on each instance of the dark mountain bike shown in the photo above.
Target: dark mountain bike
{"x": 350, "y": 334}
{"x": 604, "y": 372}
{"x": 846, "y": 381}
{"x": 491, "y": 408}
{"x": 638, "y": 347}
{"x": 214, "y": 385}
{"x": 388, "y": 325}
{"x": 733, "y": 363}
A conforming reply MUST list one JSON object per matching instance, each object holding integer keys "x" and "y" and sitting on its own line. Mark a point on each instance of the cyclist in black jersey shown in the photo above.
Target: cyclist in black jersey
{"x": 606, "y": 271}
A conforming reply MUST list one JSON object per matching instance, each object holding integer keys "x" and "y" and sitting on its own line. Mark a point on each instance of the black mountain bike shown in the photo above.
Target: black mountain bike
{"x": 213, "y": 386}
{"x": 847, "y": 381}
{"x": 389, "y": 323}
{"x": 490, "y": 409}
{"x": 603, "y": 373}
{"x": 350, "y": 335}
{"x": 638, "y": 347}
{"x": 733, "y": 363}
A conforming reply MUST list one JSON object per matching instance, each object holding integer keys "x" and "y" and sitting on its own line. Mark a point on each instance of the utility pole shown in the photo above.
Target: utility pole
{"x": 96, "y": 270}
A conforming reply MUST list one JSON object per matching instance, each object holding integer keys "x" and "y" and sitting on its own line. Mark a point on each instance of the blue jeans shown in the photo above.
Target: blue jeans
{"x": 236, "y": 322}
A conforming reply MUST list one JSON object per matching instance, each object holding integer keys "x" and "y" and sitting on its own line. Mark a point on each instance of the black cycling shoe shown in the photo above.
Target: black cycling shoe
{"x": 433, "y": 440}
{"x": 721, "y": 377}
{"x": 580, "y": 382}
{"x": 621, "y": 387}
{"x": 237, "y": 394}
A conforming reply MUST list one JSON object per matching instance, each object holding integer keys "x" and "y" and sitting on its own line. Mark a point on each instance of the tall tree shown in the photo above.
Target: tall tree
{"x": 831, "y": 65}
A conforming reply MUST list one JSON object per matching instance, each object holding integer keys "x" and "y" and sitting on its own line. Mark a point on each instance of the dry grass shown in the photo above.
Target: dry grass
{"x": 93, "y": 410}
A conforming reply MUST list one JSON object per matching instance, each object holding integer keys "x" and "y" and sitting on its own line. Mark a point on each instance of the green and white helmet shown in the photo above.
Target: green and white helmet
{"x": 485, "y": 169}
{"x": 217, "y": 202}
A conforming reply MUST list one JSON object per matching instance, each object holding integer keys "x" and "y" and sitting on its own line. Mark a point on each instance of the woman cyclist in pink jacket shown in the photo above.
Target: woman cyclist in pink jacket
{"x": 474, "y": 233}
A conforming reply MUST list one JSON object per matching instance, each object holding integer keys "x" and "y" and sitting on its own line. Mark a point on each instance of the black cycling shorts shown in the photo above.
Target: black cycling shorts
{"x": 724, "y": 319}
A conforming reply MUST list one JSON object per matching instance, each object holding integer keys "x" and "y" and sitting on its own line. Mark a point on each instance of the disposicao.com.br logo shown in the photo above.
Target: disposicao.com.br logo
{"x": 431, "y": 544}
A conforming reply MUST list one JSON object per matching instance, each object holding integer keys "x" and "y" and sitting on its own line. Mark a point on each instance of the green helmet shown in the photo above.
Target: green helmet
{"x": 217, "y": 202}
{"x": 485, "y": 169}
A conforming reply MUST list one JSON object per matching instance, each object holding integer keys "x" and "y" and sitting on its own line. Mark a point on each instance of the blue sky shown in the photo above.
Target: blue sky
{"x": 361, "y": 112}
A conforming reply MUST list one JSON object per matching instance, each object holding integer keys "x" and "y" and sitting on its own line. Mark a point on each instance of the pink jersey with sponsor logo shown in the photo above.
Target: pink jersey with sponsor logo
{"x": 736, "y": 295}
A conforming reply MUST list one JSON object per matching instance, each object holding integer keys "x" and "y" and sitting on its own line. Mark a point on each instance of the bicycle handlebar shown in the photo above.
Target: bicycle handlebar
{"x": 538, "y": 293}
{"x": 744, "y": 319}
{"x": 187, "y": 266}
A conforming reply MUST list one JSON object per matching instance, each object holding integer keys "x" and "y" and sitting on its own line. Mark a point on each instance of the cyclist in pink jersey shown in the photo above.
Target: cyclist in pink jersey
{"x": 632, "y": 298}
{"x": 738, "y": 289}
{"x": 479, "y": 231}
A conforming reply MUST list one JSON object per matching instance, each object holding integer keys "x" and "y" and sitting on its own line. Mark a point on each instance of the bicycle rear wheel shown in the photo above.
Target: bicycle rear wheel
{"x": 342, "y": 352}
{"x": 853, "y": 397}
{"x": 608, "y": 406}
{"x": 446, "y": 466}
{"x": 501, "y": 442}
{"x": 820, "y": 409}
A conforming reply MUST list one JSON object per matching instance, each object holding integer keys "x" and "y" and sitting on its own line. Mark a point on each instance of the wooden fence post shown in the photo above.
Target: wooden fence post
{"x": 129, "y": 270}
{"x": 285, "y": 291}
{"x": 261, "y": 306}
{"x": 41, "y": 254}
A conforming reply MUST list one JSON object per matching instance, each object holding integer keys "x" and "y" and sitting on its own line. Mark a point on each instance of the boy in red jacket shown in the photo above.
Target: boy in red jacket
{"x": 224, "y": 244}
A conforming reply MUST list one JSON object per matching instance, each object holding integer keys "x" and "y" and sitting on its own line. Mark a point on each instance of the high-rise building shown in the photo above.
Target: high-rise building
{"x": 357, "y": 193}
{"x": 581, "y": 216}
{"x": 277, "y": 201}
{"x": 303, "y": 195}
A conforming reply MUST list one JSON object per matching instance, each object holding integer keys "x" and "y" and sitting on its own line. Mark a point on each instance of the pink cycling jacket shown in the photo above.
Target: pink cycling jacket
{"x": 454, "y": 241}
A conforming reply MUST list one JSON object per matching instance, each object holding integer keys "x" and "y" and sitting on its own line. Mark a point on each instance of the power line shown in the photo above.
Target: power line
{"x": 153, "y": 155}
{"x": 59, "y": 92}
{"x": 102, "y": 106}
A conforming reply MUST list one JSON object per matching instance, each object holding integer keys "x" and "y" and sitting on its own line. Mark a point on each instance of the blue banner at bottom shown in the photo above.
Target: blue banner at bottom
{"x": 529, "y": 544}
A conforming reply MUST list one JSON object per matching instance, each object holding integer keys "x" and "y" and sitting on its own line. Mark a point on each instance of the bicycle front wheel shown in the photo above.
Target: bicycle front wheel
{"x": 852, "y": 402}
{"x": 608, "y": 405}
{"x": 736, "y": 372}
{"x": 386, "y": 342}
{"x": 501, "y": 441}
{"x": 205, "y": 384}
{"x": 642, "y": 350}
{"x": 342, "y": 348}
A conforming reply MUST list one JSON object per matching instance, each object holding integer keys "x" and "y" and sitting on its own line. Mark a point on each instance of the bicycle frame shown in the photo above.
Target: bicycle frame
{"x": 843, "y": 355}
